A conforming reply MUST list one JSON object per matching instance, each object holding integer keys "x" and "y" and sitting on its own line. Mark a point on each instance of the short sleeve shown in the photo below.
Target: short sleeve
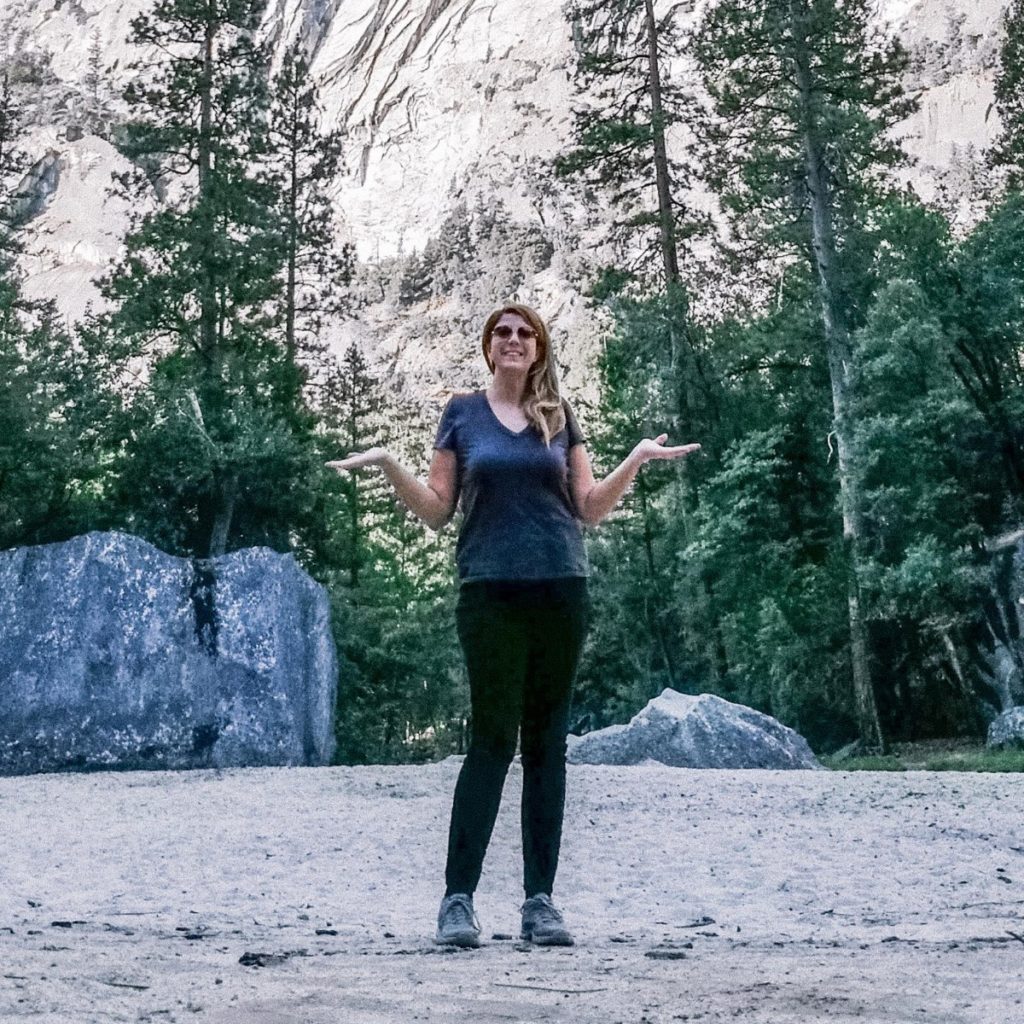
{"x": 572, "y": 428}
{"x": 445, "y": 437}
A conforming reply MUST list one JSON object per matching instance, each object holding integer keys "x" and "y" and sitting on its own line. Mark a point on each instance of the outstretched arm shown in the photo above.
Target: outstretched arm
{"x": 595, "y": 500}
{"x": 433, "y": 502}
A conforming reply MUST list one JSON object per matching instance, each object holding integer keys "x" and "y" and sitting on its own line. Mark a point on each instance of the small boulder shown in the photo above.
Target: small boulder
{"x": 685, "y": 731}
{"x": 1006, "y": 731}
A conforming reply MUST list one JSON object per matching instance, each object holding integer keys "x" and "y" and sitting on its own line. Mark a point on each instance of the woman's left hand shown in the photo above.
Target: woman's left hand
{"x": 649, "y": 449}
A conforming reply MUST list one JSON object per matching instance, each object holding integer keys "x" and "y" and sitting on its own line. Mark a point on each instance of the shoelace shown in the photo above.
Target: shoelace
{"x": 461, "y": 908}
{"x": 544, "y": 909}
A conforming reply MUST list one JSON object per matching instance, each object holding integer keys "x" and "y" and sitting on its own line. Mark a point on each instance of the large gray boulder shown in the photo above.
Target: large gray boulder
{"x": 1006, "y": 731}
{"x": 116, "y": 655}
{"x": 695, "y": 732}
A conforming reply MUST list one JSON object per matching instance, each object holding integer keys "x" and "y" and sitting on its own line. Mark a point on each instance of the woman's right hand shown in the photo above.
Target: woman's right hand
{"x": 357, "y": 460}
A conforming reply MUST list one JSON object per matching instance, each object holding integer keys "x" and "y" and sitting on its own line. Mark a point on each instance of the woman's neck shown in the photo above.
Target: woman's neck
{"x": 507, "y": 390}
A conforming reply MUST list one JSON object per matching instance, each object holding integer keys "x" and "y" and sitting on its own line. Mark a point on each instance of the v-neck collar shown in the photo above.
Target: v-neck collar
{"x": 507, "y": 429}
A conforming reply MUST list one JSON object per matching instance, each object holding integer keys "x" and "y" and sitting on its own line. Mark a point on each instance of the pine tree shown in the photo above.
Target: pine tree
{"x": 654, "y": 371}
{"x": 13, "y": 164}
{"x": 389, "y": 580}
{"x": 924, "y": 481}
{"x": 218, "y": 434}
{"x": 803, "y": 99}
{"x": 354, "y": 416}
{"x": 23, "y": 442}
{"x": 763, "y": 538}
{"x": 620, "y": 133}
{"x": 304, "y": 162}
{"x": 1008, "y": 150}
{"x": 416, "y": 282}
{"x": 633, "y": 592}
{"x": 987, "y": 356}
{"x": 97, "y": 111}
{"x": 54, "y": 392}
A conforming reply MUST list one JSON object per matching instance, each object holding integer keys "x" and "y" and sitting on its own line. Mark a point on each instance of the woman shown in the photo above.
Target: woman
{"x": 515, "y": 455}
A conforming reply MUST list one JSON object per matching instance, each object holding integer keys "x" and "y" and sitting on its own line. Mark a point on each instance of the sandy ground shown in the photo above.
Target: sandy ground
{"x": 766, "y": 897}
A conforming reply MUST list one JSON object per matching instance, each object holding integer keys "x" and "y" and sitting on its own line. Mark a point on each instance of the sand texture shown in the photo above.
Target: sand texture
{"x": 765, "y": 897}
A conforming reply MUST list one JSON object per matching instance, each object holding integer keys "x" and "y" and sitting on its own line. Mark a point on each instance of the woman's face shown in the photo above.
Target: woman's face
{"x": 513, "y": 343}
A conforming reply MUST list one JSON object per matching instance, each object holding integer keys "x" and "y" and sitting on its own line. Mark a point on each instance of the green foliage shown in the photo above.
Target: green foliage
{"x": 761, "y": 115}
{"x": 911, "y": 759}
{"x": 799, "y": 145}
{"x": 217, "y": 445}
{"x": 184, "y": 440}
{"x": 53, "y": 452}
{"x": 302, "y": 162}
{"x": 751, "y": 541}
{"x": 1008, "y": 150}
{"x": 768, "y": 543}
{"x": 95, "y": 108}
{"x": 921, "y": 578}
{"x": 401, "y": 691}
{"x": 638, "y": 642}
{"x": 911, "y": 414}
{"x": 52, "y": 398}
{"x": 416, "y": 282}
{"x": 988, "y": 320}
{"x": 199, "y": 409}
{"x": 619, "y": 155}
{"x": 202, "y": 405}
{"x": 723, "y": 574}
{"x": 479, "y": 255}
{"x": 980, "y": 761}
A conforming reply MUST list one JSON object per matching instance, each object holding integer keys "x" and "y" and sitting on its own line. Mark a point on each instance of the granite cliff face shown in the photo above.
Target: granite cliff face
{"x": 447, "y": 102}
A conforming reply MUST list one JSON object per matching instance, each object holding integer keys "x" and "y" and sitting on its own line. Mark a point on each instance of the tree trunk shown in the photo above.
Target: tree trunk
{"x": 293, "y": 232}
{"x": 840, "y": 366}
{"x": 227, "y": 495}
{"x": 656, "y": 615}
{"x": 204, "y": 158}
{"x": 670, "y": 258}
{"x": 353, "y": 525}
{"x": 354, "y": 509}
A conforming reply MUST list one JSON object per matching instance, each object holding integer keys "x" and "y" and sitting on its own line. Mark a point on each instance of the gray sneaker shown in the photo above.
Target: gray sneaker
{"x": 543, "y": 924}
{"x": 457, "y": 924}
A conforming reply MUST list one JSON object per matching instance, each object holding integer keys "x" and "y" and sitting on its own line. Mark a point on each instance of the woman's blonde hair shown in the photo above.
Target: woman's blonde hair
{"x": 542, "y": 403}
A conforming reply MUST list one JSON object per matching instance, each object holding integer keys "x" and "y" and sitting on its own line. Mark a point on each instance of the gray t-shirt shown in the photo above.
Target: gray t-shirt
{"x": 519, "y": 520}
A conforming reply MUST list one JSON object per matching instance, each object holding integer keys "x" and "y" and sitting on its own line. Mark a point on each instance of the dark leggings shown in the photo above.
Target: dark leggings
{"x": 521, "y": 641}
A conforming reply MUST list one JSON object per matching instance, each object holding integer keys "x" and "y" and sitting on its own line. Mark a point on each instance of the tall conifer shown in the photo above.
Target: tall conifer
{"x": 52, "y": 388}
{"x": 1008, "y": 150}
{"x": 803, "y": 99}
{"x": 218, "y": 433}
{"x": 304, "y": 161}
{"x": 628, "y": 104}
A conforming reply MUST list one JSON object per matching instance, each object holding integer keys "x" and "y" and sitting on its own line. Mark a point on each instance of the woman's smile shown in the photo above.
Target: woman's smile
{"x": 513, "y": 340}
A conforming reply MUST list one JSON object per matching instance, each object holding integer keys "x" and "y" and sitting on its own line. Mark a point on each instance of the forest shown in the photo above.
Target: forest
{"x": 848, "y": 355}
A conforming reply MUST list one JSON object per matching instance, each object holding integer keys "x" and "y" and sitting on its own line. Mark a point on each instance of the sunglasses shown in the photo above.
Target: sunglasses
{"x": 505, "y": 332}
